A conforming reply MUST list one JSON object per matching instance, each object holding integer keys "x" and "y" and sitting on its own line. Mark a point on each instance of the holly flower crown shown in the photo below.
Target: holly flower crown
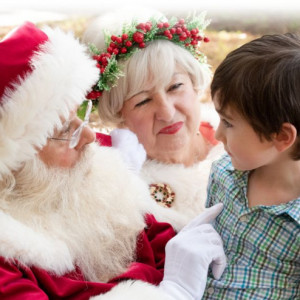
{"x": 185, "y": 33}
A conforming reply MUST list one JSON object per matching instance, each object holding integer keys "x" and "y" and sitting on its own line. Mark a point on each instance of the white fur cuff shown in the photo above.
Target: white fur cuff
{"x": 133, "y": 290}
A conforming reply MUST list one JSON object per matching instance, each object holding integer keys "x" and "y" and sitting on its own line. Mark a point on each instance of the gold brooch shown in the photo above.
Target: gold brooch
{"x": 162, "y": 194}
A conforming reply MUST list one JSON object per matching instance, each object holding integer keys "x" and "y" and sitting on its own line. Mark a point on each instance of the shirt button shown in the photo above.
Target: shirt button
{"x": 210, "y": 290}
{"x": 244, "y": 219}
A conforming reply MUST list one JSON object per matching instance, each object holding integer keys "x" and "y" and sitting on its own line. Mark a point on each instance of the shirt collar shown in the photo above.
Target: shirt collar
{"x": 291, "y": 208}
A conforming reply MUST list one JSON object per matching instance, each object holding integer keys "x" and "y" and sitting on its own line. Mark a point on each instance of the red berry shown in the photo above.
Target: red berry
{"x": 148, "y": 26}
{"x": 128, "y": 44}
{"x": 123, "y": 50}
{"x": 178, "y": 30}
{"x": 138, "y": 37}
{"x": 91, "y": 95}
{"x": 160, "y": 25}
{"x": 110, "y": 49}
{"x": 194, "y": 31}
{"x": 142, "y": 45}
{"x": 119, "y": 40}
{"x": 112, "y": 45}
{"x": 113, "y": 38}
{"x": 206, "y": 39}
{"x": 167, "y": 32}
{"x": 172, "y": 30}
{"x": 141, "y": 26}
{"x": 181, "y": 21}
{"x": 102, "y": 70}
{"x": 183, "y": 36}
{"x": 116, "y": 51}
{"x": 166, "y": 24}
{"x": 124, "y": 36}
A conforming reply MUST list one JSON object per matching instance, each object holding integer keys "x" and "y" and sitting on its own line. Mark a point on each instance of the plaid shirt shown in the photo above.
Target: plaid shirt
{"x": 262, "y": 243}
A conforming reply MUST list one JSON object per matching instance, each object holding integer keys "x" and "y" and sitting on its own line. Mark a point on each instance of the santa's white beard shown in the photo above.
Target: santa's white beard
{"x": 96, "y": 208}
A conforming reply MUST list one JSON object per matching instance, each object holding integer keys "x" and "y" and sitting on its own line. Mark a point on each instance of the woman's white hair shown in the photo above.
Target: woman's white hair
{"x": 157, "y": 62}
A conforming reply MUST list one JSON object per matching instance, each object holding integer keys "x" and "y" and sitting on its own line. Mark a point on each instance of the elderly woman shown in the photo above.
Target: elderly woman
{"x": 161, "y": 76}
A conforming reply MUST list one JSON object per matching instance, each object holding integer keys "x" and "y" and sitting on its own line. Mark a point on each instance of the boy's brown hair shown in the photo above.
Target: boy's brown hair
{"x": 261, "y": 80}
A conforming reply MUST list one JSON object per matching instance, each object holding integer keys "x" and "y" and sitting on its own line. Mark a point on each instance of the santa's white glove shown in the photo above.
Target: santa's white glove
{"x": 189, "y": 255}
{"x": 133, "y": 153}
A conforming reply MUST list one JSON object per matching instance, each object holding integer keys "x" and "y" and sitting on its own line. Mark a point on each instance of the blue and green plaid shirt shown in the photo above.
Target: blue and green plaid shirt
{"x": 262, "y": 243}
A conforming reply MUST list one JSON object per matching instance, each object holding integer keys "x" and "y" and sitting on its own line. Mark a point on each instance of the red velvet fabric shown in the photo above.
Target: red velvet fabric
{"x": 16, "y": 52}
{"x": 31, "y": 283}
{"x": 103, "y": 139}
{"x": 208, "y": 132}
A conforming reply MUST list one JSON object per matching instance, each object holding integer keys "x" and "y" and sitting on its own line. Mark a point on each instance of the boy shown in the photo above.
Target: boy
{"x": 256, "y": 91}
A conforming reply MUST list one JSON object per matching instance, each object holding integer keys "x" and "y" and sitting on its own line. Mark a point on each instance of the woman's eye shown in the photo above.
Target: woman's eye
{"x": 174, "y": 86}
{"x": 143, "y": 102}
{"x": 226, "y": 123}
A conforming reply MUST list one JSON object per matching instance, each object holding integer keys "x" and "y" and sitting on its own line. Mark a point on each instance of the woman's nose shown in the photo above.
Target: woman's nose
{"x": 165, "y": 109}
{"x": 87, "y": 136}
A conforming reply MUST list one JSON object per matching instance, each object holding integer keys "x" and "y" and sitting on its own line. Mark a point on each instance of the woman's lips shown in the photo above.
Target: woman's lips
{"x": 172, "y": 129}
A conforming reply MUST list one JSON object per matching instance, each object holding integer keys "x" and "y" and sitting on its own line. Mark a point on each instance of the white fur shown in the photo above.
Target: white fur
{"x": 62, "y": 74}
{"x": 17, "y": 241}
{"x": 133, "y": 290}
{"x": 188, "y": 183}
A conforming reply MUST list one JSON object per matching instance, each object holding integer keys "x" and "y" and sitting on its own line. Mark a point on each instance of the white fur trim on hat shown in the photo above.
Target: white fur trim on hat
{"x": 62, "y": 74}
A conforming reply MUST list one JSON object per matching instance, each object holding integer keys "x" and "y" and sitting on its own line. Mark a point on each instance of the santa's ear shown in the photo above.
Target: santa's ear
{"x": 286, "y": 137}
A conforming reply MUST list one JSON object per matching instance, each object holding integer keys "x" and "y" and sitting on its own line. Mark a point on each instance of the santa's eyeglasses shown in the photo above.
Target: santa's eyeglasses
{"x": 68, "y": 134}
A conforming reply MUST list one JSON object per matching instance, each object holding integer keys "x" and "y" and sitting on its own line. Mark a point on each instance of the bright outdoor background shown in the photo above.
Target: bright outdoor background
{"x": 233, "y": 23}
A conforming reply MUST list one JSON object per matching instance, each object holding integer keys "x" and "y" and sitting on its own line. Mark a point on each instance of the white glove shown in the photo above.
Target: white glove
{"x": 188, "y": 256}
{"x": 133, "y": 153}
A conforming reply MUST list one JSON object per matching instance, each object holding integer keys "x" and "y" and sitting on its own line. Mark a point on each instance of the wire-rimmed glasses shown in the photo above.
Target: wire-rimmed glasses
{"x": 73, "y": 138}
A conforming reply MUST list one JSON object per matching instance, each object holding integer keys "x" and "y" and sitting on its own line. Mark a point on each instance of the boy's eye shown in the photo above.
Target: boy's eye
{"x": 143, "y": 102}
{"x": 226, "y": 123}
{"x": 174, "y": 86}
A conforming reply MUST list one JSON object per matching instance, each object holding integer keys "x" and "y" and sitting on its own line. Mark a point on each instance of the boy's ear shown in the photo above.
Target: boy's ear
{"x": 286, "y": 137}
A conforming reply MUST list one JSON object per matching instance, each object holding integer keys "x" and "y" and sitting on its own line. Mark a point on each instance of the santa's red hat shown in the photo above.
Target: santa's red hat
{"x": 44, "y": 75}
